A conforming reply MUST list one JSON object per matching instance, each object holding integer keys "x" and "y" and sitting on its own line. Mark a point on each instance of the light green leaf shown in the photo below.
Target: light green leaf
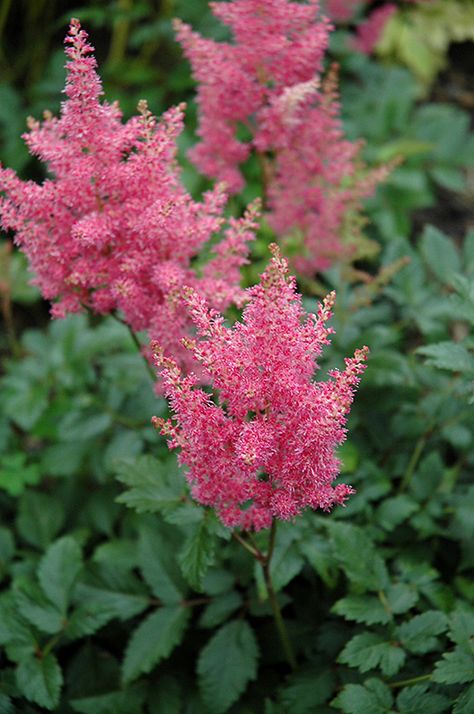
{"x": 129, "y": 701}
{"x": 153, "y": 640}
{"x": 449, "y": 355}
{"x": 58, "y": 571}
{"x": 226, "y": 665}
{"x": 40, "y": 680}
{"x": 394, "y": 511}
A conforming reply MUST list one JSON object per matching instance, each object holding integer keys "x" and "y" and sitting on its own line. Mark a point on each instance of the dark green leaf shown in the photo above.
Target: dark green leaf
{"x": 197, "y": 554}
{"x": 440, "y": 253}
{"x": 456, "y": 667}
{"x": 374, "y": 697}
{"x": 304, "y": 691}
{"x": 363, "y": 608}
{"x": 369, "y": 572}
{"x": 368, "y": 650}
{"x": 59, "y": 569}
{"x": 151, "y": 489}
{"x": 220, "y": 608}
{"x": 156, "y": 567}
{"x": 415, "y": 699}
{"x": 465, "y": 702}
{"x": 40, "y": 680}
{"x": 153, "y": 640}
{"x": 40, "y": 518}
{"x": 226, "y": 665}
{"x": 419, "y": 634}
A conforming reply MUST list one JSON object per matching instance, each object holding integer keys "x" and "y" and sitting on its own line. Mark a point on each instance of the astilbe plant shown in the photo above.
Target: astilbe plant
{"x": 113, "y": 229}
{"x": 269, "y": 79}
{"x": 264, "y": 449}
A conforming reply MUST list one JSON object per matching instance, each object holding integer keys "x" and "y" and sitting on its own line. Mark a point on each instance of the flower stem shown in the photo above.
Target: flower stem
{"x": 413, "y": 680}
{"x": 279, "y": 621}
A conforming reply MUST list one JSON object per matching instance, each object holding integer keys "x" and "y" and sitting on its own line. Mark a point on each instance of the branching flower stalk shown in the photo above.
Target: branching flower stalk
{"x": 264, "y": 559}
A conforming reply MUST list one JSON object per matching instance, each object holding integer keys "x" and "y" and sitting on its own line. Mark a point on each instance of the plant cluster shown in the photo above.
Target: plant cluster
{"x": 134, "y": 582}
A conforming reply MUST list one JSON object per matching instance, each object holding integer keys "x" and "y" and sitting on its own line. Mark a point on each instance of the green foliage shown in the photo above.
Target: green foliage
{"x": 226, "y": 665}
{"x": 420, "y": 36}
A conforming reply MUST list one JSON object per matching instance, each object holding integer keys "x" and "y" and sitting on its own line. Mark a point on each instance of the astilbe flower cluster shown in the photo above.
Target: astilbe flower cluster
{"x": 369, "y": 31}
{"x": 268, "y": 80}
{"x": 112, "y": 228}
{"x": 262, "y": 446}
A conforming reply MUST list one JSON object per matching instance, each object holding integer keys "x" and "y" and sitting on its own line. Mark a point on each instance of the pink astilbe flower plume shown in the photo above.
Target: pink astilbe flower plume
{"x": 112, "y": 228}
{"x": 264, "y": 447}
{"x": 269, "y": 80}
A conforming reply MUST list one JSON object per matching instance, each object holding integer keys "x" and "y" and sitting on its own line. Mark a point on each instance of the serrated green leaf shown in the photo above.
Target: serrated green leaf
{"x": 419, "y": 634}
{"x": 156, "y": 567}
{"x": 374, "y": 697}
{"x": 287, "y": 561}
{"x": 16, "y": 634}
{"x": 362, "y": 608}
{"x": 455, "y": 667}
{"x": 153, "y": 640}
{"x": 369, "y": 650}
{"x": 130, "y": 701}
{"x": 449, "y": 355}
{"x": 440, "y": 254}
{"x": 226, "y": 665}
{"x": 415, "y": 699}
{"x": 108, "y": 604}
{"x": 40, "y": 680}
{"x": 465, "y": 702}
{"x": 369, "y": 572}
{"x": 40, "y": 517}
{"x": 461, "y": 628}
{"x": 150, "y": 489}
{"x": 394, "y": 511}
{"x": 221, "y": 607}
{"x": 401, "y": 597}
{"x": 34, "y": 607}
{"x": 304, "y": 691}
{"x": 197, "y": 554}
{"x": 58, "y": 571}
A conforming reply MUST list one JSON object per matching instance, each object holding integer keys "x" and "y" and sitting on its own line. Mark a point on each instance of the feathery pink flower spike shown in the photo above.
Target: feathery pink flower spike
{"x": 269, "y": 79}
{"x": 113, "y": 228}
{"x": 264, "y": 448}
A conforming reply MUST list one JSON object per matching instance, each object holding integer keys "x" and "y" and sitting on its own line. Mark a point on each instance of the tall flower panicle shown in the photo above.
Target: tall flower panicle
{"x": 269, "y": 80}
{"x": 264, "y": 446}
{"x": 112, "y": 228}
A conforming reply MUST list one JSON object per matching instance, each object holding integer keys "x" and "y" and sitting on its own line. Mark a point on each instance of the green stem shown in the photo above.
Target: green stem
{"x": 413, "y": 680}
{"x": 412, "y": 464}
{"x": 254, "y": 551}
{"x": 118, "y": 43}
{"x": 279, "y": 621}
